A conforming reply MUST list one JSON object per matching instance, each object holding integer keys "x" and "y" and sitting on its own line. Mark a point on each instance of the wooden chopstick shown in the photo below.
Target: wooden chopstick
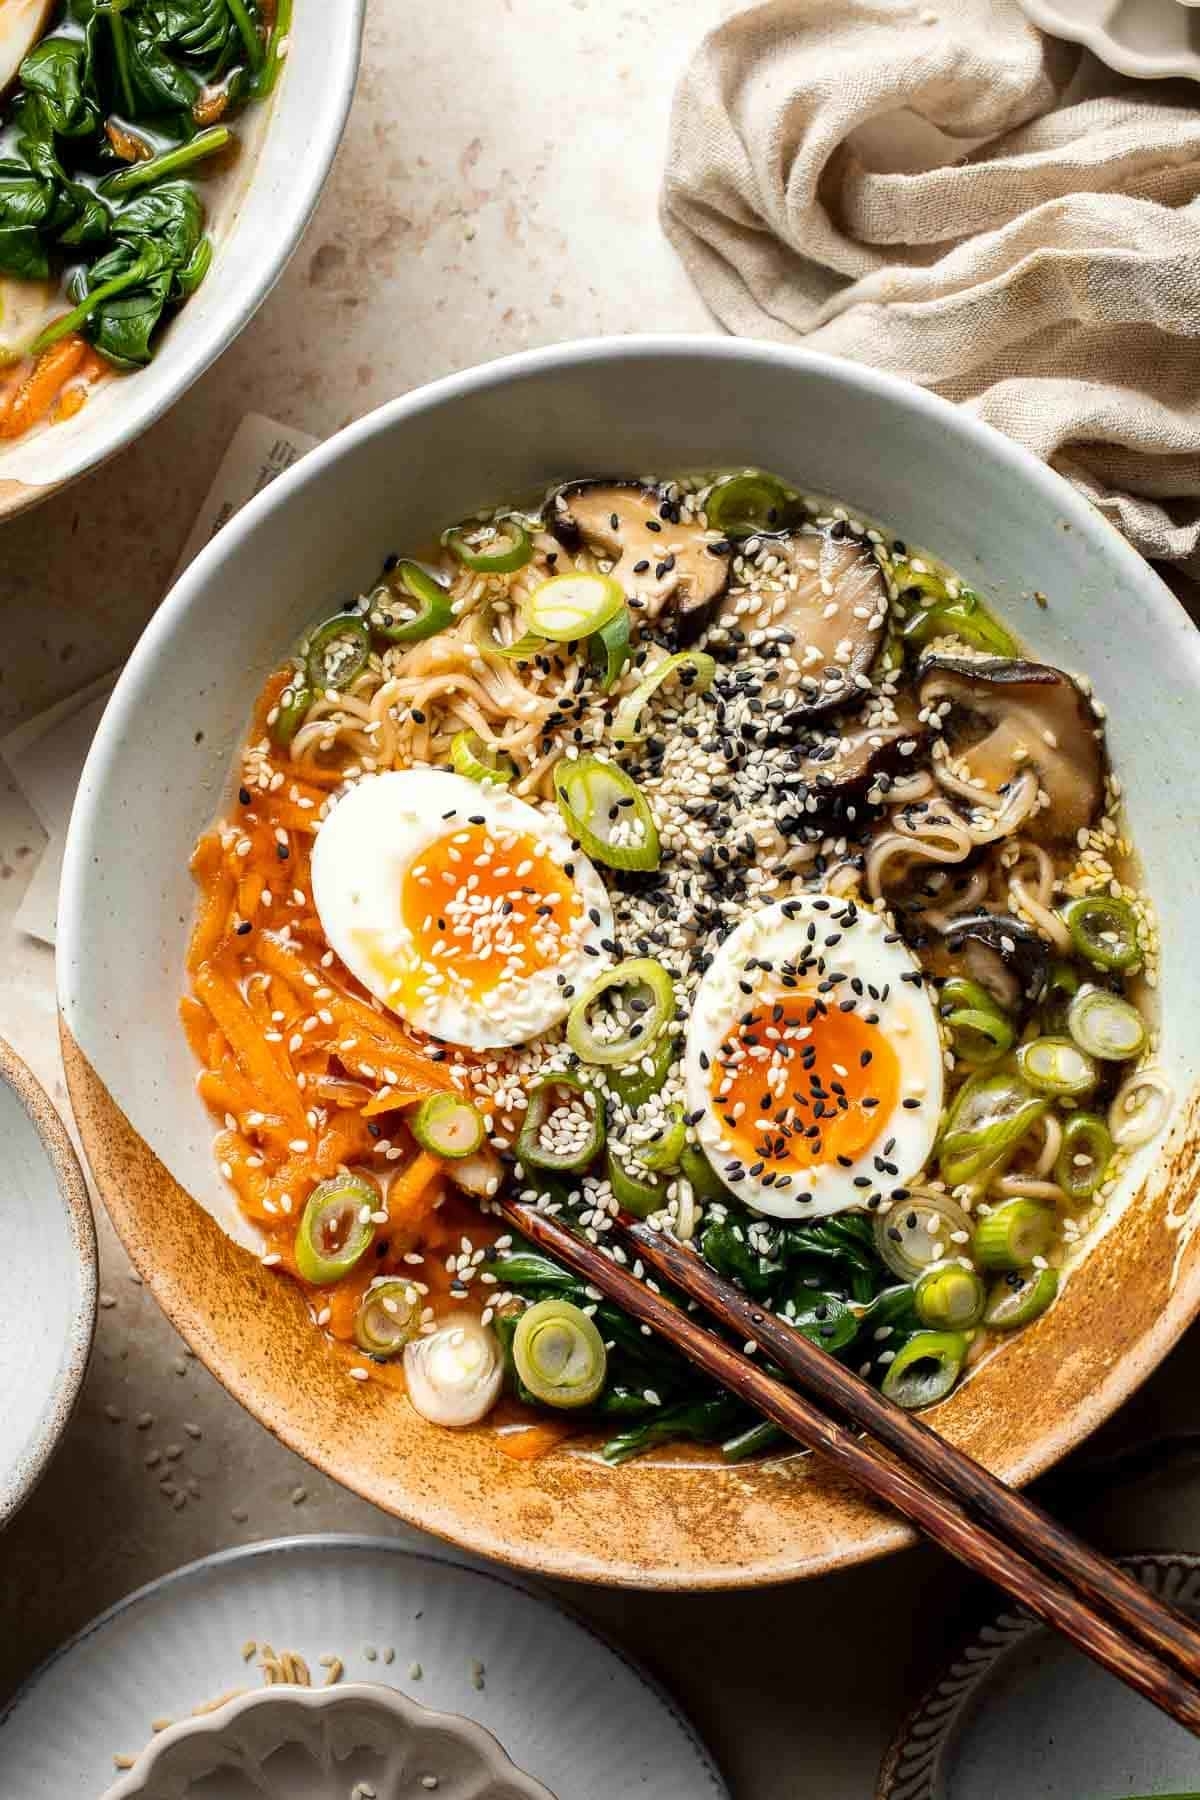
{"x": 1143, "y": 1642}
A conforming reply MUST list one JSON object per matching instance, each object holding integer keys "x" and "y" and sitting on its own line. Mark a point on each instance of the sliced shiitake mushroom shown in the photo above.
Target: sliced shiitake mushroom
{"x": 834, "y": 612}
{"x": 1002, "y": 953}
{"x": 665, "y": 563}
{"x": 1008, "y": 716}
{"x": 839, "y": 763}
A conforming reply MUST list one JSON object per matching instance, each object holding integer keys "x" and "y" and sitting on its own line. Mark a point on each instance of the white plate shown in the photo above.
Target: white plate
{"x": 563, "y": 1703}
{"x": 1152, "y": 39}
{"x": 1020, "y": 1712}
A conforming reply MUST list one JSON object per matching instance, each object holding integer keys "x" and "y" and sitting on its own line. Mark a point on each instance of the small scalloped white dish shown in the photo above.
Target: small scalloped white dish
{"x": 296, "y": 1743}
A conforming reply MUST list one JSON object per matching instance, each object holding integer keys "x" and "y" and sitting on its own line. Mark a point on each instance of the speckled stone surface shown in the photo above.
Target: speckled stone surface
{"x": 495, "y": 190}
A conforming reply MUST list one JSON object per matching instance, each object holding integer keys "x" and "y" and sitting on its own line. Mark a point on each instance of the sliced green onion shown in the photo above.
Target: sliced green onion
{"x": 963, "y": 616}
{"x": 479, "y": 1174}
{"x": 289, "y": 710}
{"x": 598, "y": 801}
{"x": 743, "y": 505}
{"x": 610, "y": 648}
{"x": 664, "y": 1150}
{"x": 454, "y": 1374}
{"x": 519, "y": 649}
{"x": 980, "y": 1029}
{"x": 1104, "y": 929}
{"x": 1018, "y": 1299}
{"x": 696, "y": 1168}
{"x": 918, "y": 1232}
{"x": 448, "y": 1125}
{"x": 696, "y": 670}
{"x": 503, "y": 554}
{"x": 336, "y": 1229}
{"x": 1106, "y": 1025}
{"x": 1056, "y": 1065}
{"x": 337, "y": 651}
{"x": 634, "y": 1083}
{"x": 582, "y": 1133}
{"x": 1062, "y": 985}
{"x": 470, "y": 756}
{"x": 389, "y": 1313}
{"x": 559, "y": 1354}
{"x": 950, "y": 1298}
{"x": 925, "y": 1369}
{"x": 1012, "y": 1234}
{"x": 640, "y": 1195}
{"x": 433, "y": 614}
{"x": 573, "y": 606}
{"x": 645, "y": 993}
{"x": 990, "y": 1116}
{"x": 1139, "y": 1109}
{"x": 980, "y": 1037}
{"x": 1084, "y": 1155}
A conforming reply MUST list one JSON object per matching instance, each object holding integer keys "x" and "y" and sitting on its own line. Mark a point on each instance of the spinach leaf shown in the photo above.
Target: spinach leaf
{"x": 53, "y": 73}
{"x": 22, "y": 253}
{"x": 726, "y": 1246}
{"x": 159, "y": 83}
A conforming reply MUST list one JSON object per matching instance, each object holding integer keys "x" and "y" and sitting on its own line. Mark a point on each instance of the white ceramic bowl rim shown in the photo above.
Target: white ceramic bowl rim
{"x": 1150, "y": 614}
{"x": 45, "y": 461}
{"x": 59, "y": 1152}
{"x": 1057, "y": 493}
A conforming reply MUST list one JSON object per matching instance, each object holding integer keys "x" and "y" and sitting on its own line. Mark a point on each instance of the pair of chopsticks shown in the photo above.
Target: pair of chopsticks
{"x": 945, "y": 1493}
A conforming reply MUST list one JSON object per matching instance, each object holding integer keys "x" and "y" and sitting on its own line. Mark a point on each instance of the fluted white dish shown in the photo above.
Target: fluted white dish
{"x": 1151, "y": 39}
{"x": 296, "y": 1743}
{"x": 566, "y": 1705}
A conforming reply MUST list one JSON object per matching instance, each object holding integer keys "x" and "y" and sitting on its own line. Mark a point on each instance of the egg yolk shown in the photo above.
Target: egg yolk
{"x": 798, "y": 1084}
{"x": 482, "y": 907}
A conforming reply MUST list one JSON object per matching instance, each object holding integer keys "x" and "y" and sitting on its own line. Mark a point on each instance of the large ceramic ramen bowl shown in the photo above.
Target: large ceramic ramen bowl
{"x": 267, "y": 202}
{"x": 158, "y": 773}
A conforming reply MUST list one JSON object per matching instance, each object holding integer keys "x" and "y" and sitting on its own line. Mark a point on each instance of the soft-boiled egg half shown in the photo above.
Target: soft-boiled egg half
{"x": 814, "y": 1060}
{"x": 465, "y": 910}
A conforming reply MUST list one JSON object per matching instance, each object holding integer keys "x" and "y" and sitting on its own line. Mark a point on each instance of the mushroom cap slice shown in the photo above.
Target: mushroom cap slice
{"x": 835, "y": 612}
{"x": 1032, "y": 716}
{"x": 840, "y": 761}
{"x": 1002, "y": 953}
{"x": 665, "y": 563}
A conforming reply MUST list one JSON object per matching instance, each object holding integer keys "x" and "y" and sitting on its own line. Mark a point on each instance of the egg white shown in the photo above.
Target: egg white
{"x": 904, "y": 1015}
{"x": 374, "y": 834}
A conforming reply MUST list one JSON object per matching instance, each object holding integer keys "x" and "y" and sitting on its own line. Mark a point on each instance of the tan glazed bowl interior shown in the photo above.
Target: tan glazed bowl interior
{"x": 158, "y": 772}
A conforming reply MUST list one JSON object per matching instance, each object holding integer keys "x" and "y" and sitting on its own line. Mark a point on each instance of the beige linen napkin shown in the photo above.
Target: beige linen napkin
{"x": 940, "y": 191}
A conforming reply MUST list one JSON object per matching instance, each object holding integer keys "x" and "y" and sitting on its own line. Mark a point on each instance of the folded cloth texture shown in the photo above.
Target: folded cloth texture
{"x": 941, "y": 191}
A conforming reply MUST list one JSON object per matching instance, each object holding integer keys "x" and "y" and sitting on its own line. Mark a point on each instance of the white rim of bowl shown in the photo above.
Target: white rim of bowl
{"x": 312, "y": 173}
{"x": 1165, "y": 613}
{"x": 71, "y": 1186}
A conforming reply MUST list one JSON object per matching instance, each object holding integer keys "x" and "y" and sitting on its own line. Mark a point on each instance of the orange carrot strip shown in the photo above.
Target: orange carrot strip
{"x": 197, "y": 1023}
{"x": 392, "y": 1099}
{"x": 41, "y": 387}
{"x": 249, "y": 892}
{"x": 276, "y": 1092}
{"x": 249, "y": 1182}
{"x": 412, "y": 1194}
{"x": 532, "y": 1441}
{"x": 415, "y": 1070}
{"x": 72, "y": 400}
{"x": 343, "y": 1301}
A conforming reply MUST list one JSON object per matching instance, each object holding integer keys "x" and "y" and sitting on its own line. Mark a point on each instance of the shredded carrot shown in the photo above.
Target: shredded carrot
{"x": 532, "y": 1441}
{"x": 254, "y": 1056}
{"x": 413, "y": 1194}
{"x": 34, "y": 397}
{"x": 343, "y": 1302}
